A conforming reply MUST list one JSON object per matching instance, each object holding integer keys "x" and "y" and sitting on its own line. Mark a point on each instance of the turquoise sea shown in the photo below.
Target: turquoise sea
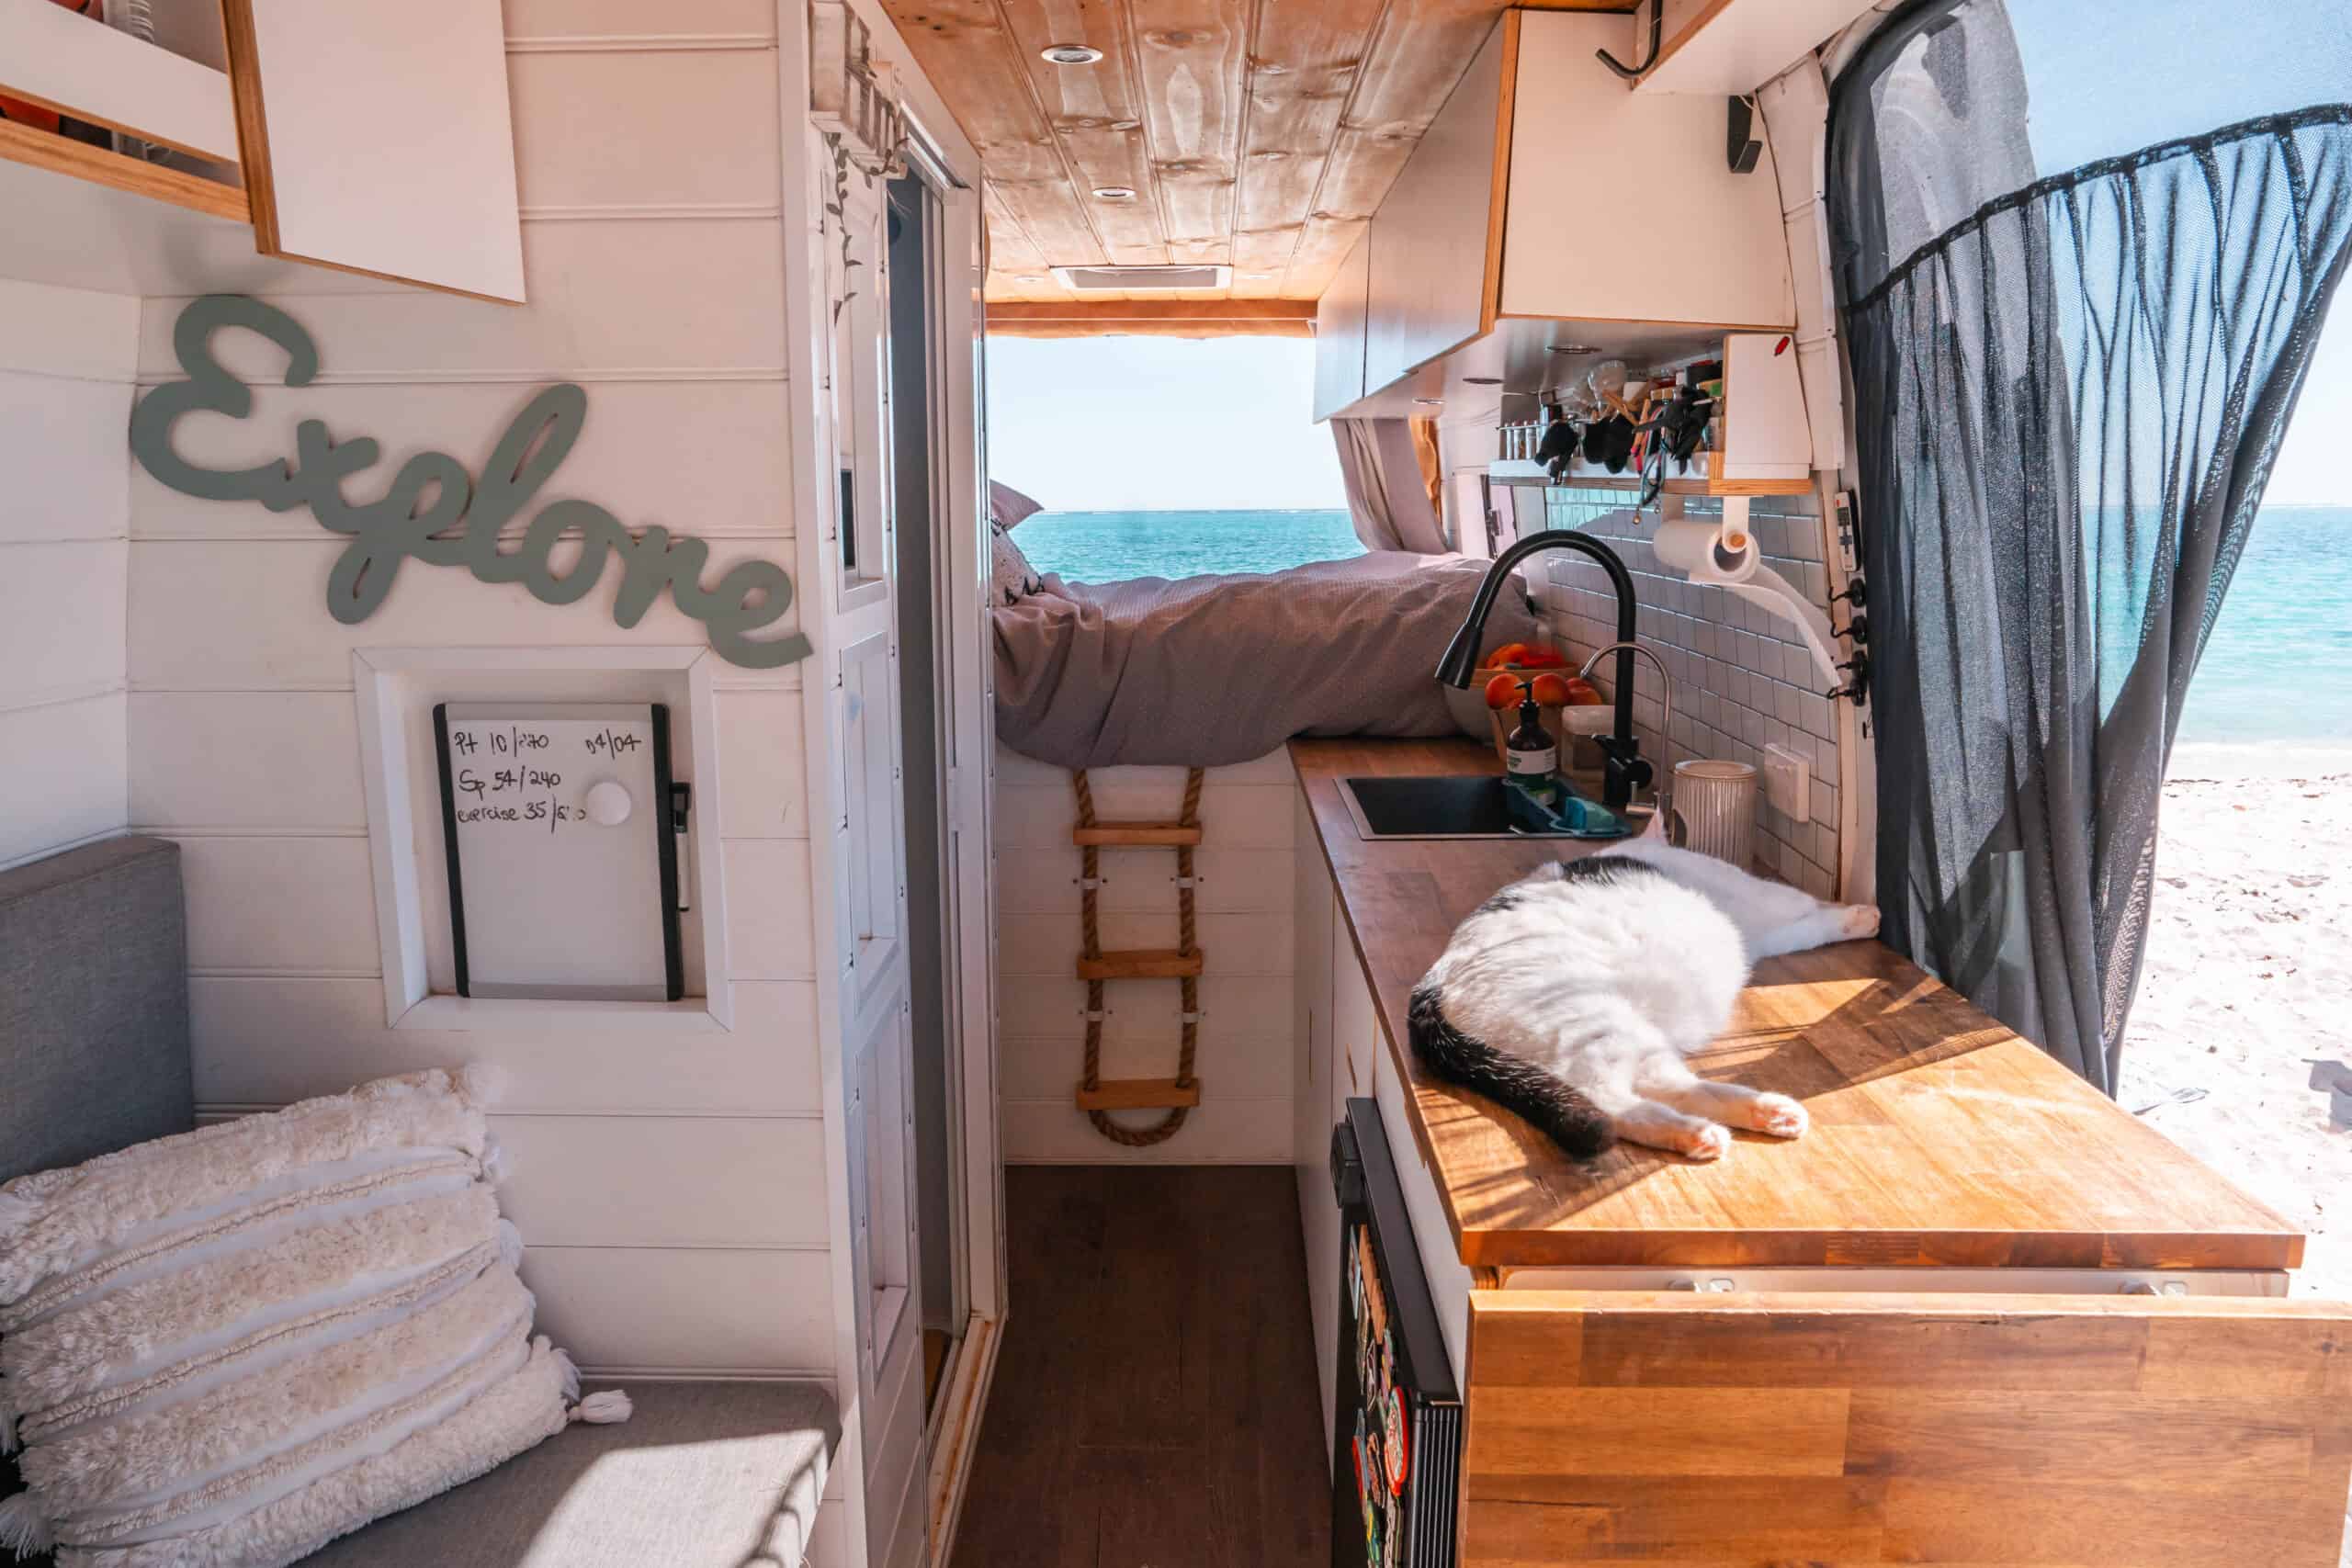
{"x": 1104, "y": 546}
{"x": 2279, "y": 667}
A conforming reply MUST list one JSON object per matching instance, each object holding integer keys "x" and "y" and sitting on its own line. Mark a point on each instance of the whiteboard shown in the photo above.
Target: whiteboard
{"x": 563, "y": 841}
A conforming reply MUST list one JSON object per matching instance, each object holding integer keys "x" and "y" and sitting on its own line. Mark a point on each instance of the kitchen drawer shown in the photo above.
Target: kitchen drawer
{"x": 1860, "y": 1426}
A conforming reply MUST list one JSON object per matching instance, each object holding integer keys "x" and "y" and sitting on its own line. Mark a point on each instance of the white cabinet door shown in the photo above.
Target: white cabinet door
{"x": 1339, "y": 337}
{"x": 1684, "y": 238}
{"x": 1311, "y": 1105}
{"x": 1356, "y": 1048}
{"x": 377, "y": 139}
{"x": 1429, "y": 291}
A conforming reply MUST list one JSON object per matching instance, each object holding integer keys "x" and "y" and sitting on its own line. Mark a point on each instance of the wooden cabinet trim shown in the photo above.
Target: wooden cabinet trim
{"x": 78, "y": 160}
{"x": 1498, "y": 187}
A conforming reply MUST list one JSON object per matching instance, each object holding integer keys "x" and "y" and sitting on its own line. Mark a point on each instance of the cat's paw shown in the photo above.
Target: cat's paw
{"x": 1711, "y": 1142}
{"x": 1778, "y": 1115}
{"x": 1858, "y": 920}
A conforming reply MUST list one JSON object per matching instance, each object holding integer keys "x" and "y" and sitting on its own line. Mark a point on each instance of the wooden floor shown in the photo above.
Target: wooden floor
{"x": 1155, "y": 1403}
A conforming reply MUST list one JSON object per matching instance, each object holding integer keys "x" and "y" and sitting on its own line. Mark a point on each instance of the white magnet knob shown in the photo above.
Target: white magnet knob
{"x": 608, "y": 803}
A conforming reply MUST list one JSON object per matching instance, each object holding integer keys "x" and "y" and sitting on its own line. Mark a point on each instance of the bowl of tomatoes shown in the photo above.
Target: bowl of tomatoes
{"x": 1490, "y": 709}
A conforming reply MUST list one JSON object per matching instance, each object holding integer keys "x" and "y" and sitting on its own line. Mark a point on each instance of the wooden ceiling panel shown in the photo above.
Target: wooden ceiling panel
{"x": 1305, "y": 65}
{"x": 1095, "y": 115}
{"x": 1192, "y": 58}
{"x": 967, "y": 49}
{"x": 1257, "y": 133}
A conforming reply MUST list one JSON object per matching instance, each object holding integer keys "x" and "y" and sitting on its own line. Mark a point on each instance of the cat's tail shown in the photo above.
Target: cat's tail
{"x": 1555, "y": 1108}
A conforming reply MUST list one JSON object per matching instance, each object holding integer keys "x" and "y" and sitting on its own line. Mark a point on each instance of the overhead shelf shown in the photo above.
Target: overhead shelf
{"x": 1523, "y": 472}
{"x": 40, "y": 149}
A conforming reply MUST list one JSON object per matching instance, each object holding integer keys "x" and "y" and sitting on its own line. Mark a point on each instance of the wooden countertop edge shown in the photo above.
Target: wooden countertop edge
{"x": 1920, "y": 1248}
{"x": 2248, "y": 1249}
{"x": 1966, "y": 1305}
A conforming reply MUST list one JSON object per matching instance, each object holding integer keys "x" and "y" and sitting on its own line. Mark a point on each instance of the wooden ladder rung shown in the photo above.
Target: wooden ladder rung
{"x": 1141, "y": 964}
{"x": 1138, "y": 1094}
{"x": 1173, "y": 835}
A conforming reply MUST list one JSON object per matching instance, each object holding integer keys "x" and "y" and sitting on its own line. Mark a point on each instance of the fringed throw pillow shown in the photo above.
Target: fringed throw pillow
{"x": 227, "y": 1348}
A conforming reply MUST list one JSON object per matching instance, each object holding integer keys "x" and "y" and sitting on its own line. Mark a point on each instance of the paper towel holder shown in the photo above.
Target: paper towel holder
{"x": 1728, "y": 556}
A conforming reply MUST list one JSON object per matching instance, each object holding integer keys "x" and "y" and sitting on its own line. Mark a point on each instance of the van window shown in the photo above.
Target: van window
{"x": 1165, "y": 456}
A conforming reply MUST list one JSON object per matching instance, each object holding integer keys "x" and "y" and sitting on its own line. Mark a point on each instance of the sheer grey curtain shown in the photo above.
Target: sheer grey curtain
{"x": 1386, "y": 494}
{"x": 2068, "y": 394}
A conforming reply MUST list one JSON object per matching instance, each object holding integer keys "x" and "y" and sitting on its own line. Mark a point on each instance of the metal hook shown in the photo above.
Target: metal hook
{"x": 1633, "y": 73}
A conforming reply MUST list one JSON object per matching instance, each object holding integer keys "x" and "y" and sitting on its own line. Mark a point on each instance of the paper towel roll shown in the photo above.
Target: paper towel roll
{"x": 1697, "y": 549}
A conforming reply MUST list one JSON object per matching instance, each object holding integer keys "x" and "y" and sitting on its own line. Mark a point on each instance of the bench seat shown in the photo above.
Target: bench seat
{"x": 704, "y": 1475}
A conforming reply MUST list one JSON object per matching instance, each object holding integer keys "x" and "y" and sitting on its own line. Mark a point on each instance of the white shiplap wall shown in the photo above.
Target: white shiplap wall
{"x": 1246, "y": 922}
{"x": 671, "y": 1188}
{"x": 66, "y": 362}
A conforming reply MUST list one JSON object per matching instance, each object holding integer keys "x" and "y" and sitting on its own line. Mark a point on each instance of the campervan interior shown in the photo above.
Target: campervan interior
{"x": 502, "y": 590}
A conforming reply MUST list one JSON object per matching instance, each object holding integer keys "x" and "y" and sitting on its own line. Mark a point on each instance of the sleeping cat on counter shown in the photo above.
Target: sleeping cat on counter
{"x": 1573, "y": 996}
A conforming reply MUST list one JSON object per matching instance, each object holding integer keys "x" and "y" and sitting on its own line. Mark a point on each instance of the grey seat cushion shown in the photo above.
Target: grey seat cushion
{"x": 93, "y": 1004}
{"x": 92, "y": 1011}
{"x": 704, "y": 1475}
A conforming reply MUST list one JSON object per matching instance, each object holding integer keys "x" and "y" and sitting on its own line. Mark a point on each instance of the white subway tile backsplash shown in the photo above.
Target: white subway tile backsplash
{"x": 1741, "y": 679}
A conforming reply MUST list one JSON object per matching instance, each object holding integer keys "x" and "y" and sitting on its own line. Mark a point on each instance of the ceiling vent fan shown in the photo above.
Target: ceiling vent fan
{"x": 1121, "y": 279}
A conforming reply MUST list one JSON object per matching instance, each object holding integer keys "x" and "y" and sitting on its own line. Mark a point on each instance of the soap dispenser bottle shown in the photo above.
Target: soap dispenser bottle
{"x": 1531, "y": 757}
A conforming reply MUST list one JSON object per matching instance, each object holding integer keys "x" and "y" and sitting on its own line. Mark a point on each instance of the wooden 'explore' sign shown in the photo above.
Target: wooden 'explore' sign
{"x": 435, "y": 511}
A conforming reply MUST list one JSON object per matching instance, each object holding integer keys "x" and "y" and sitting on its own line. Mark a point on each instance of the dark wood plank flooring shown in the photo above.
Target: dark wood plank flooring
{"x": 1155, "y": 1402}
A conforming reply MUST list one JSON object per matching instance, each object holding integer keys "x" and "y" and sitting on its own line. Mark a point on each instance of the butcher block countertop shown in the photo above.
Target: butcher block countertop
{"x": 1939, "y": 1139}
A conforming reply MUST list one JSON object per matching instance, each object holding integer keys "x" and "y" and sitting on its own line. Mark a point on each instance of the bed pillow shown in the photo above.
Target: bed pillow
{"x": 1011, "y": 577}
{"x": 232, "y": 1345}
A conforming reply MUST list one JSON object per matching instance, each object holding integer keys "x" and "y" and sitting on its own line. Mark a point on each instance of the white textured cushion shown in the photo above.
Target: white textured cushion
{"x": 229, "y": 1347}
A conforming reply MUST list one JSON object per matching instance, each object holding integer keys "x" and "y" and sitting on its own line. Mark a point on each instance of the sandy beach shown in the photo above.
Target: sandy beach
{"x": 2248, "y": 982}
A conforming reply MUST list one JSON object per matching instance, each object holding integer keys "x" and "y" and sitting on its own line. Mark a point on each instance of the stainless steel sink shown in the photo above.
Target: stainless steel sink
{"x": 1457, "y": 805}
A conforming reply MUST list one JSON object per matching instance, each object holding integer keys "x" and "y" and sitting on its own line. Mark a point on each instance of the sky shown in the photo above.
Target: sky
{"x": 1160, "y": 425}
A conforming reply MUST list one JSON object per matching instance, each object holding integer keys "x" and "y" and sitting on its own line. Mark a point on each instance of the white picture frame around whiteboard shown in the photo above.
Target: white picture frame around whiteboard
{"x": 396, "y": 688}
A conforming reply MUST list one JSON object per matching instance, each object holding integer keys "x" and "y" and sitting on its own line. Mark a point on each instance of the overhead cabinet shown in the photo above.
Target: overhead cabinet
{"x": 1547, "y": 191}
{"x": 372, "y": 141}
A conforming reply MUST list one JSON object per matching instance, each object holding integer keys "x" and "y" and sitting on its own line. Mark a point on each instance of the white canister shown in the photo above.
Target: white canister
{"x": 1715, "y": 809}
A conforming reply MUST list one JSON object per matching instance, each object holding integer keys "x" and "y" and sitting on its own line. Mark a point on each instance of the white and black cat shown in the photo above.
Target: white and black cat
{"x": 1573, "y": 996}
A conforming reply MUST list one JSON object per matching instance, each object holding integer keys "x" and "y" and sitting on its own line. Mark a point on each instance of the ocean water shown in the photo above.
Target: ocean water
{"x": 2277, "y": 668}
{"x": 1104, "y": 546}
{"x": 2279, "y": 665}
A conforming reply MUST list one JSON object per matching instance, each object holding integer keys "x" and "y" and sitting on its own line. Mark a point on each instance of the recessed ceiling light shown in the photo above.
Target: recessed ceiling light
{"x": 1114, "y": 192}
{"x": 1268, "y": 68}
{"x": 1029, "y": 277}
{"x": 1430, "y": 402}
{"x": 1482, "y": 381}
{"x": 1571, "y": 348}
{"x": 1258, "y": 277}
{"x": 1070, "y": 53}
